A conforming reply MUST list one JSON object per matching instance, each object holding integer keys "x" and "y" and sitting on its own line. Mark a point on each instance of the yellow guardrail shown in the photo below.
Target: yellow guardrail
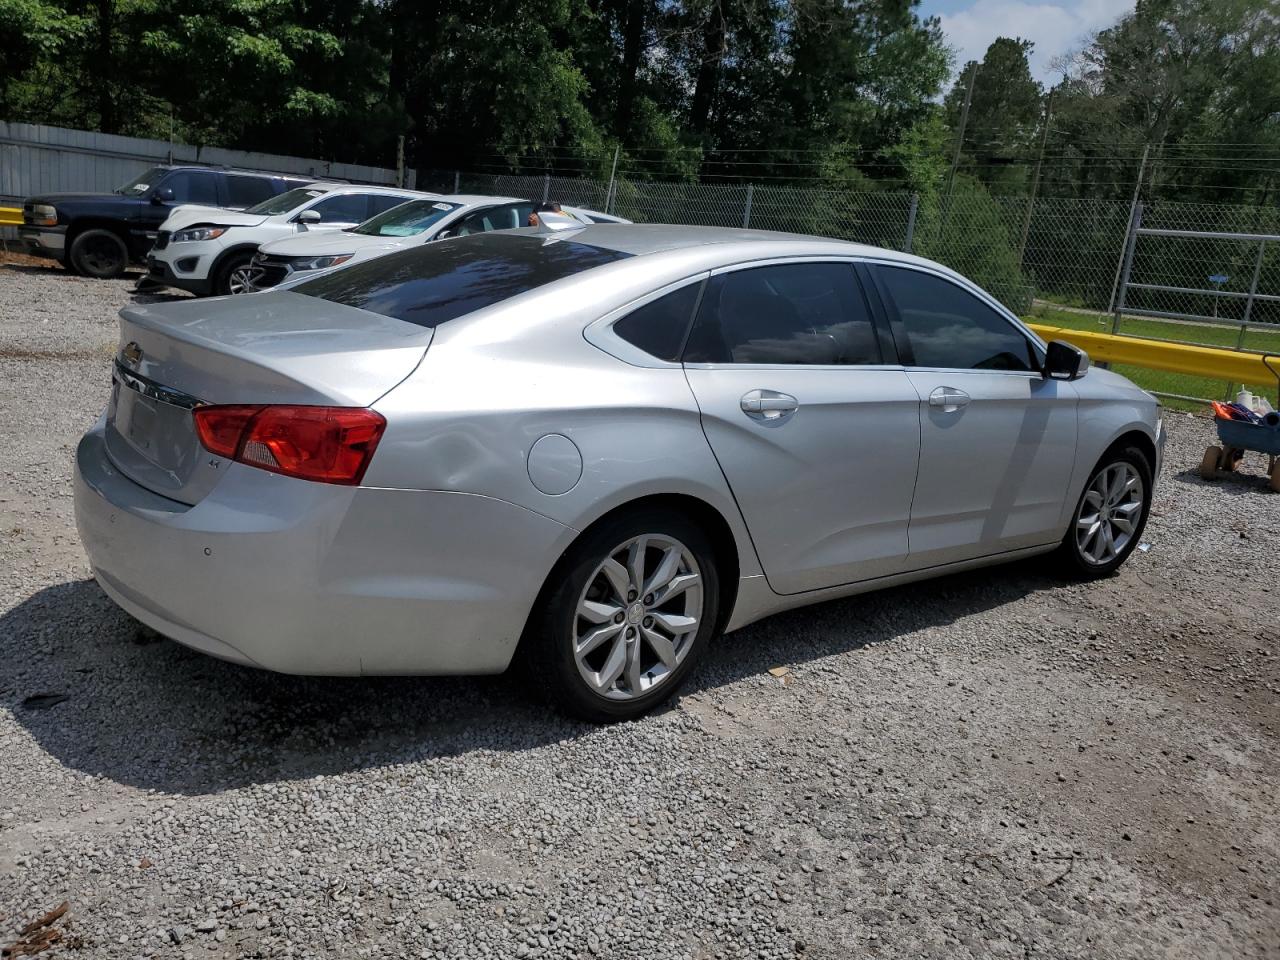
{"x": 1235, "y": 366}
{"x": 10, "y": 216}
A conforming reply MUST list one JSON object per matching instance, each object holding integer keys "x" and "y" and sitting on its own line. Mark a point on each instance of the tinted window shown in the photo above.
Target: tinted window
{"x": 802, "y": 313}
{"x": 344, "y": 208}
{"x": 950, "y": 327}
{"x": 245, "y": 191}
{"x": 495, "y": 218}
{"x": 658, "y": 328}
{"x": 381, "y": 203}
{"x": 191, "y": 186}
{"x": 433, "y": 283}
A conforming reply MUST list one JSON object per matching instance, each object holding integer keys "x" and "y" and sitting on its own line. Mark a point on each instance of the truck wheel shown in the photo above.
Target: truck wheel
{"x": 234, "y": 275}
{"x": 98, "y": 253}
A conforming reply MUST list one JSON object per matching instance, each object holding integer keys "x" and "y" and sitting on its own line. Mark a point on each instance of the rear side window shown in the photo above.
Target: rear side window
{"x": 658, "y": 328}
{"x": 436, "y": 282}
{"x": 245, "y": 191}
{"x": 950, "y": 327}
{"x": 800, "y": 313}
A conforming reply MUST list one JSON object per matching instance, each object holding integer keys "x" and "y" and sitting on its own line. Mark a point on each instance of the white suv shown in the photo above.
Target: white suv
{"x": 208, "y": 251}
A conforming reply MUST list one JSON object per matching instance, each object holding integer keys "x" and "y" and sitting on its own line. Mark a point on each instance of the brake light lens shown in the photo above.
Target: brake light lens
{"x": 325, "y": 444}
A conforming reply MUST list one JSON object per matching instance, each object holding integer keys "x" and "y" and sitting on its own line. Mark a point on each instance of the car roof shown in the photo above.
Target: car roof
{"x": 476, "y": 199}
{"x": 640, "y": 239}
{"x": 328, "y": 187}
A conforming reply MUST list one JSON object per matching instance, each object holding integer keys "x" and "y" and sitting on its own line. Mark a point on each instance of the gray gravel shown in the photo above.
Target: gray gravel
{"x": 995, "y": 764}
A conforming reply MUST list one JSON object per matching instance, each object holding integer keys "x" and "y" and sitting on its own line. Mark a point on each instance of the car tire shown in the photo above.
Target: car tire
{"x": 648, "y": 649}
{"x": 98, "y": 253}
{"x": 1117, "y": 495}
{"x": 232, "y": 274}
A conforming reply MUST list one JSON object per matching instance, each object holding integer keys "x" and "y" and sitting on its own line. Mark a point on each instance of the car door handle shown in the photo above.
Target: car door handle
{"x": 949, "y": 398}
{"x": 768, "y": 404}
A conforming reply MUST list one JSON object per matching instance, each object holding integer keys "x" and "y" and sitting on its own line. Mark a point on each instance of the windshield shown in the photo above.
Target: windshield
{"x": 407, "y": 220}
{"x": 137, "y": 186}
{"x": 285, "y": 202}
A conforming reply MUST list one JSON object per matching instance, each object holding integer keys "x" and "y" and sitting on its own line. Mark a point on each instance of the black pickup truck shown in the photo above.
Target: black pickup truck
{"x": 98, "y": 234}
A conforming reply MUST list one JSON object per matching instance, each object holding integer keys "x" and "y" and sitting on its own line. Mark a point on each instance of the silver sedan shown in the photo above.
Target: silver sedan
{"x": 592, "y": 450}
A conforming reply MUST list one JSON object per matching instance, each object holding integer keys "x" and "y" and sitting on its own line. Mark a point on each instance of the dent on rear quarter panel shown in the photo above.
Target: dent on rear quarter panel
{"x": 467, "y": 417}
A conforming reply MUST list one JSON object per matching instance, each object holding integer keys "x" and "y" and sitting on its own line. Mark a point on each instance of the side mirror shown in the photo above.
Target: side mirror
{"x": 443, "y": 235}
{"x": 163, "y": 195}
{"x": 309, "y": 216}
{"x": 1063, "y": 361}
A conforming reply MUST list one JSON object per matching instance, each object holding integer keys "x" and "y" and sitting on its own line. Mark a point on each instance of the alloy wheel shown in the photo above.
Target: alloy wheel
{"x": 1109, "y": 513}
{"x": 638, "y": 616}
{"x": 240, "y": 280}
{"x": 100, "y": 256}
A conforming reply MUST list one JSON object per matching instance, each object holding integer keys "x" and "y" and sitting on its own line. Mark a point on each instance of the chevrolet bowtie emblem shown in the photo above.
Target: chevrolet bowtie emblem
{"x": 131, "y": 354}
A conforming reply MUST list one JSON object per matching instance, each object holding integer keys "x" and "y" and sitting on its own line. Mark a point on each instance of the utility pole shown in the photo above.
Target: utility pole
{"x": 613, "y": 172}
{"x": 400, "y": 161}
{"x": 1035, "y": 178}
{"x": 964, "y": 120}
{"x": 1133, "y": 206}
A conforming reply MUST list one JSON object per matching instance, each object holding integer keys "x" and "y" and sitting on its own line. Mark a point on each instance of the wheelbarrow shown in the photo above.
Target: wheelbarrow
{"x": 1238, "y": 437}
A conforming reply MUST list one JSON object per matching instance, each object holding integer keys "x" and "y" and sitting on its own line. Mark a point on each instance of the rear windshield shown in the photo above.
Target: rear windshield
{"x": 434, "y": 283}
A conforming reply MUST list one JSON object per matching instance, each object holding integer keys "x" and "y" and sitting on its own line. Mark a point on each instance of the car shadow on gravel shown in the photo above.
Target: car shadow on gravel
{"x": 106, "y": 697}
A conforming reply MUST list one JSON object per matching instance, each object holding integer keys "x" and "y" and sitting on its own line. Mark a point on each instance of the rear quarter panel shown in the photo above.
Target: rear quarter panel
{"x": 484, "y": 394}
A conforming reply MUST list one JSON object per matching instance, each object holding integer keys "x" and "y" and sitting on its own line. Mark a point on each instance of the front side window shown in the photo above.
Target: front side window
{"x": 796, "y": 313}
{"x": 285, "y": 201}
{"x": 949, "y": 327}
{"x": 407, "y": 219}
{"x": 495, "y": 218}
{"x": 658, "y": 328}
{"x": 433, "y": 283}
{"x": 192, "y": 186}
{"x": 343, "y": 208}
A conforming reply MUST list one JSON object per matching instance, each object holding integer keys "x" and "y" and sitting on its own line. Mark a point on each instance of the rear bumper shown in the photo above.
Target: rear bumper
{"x": 44, "y": 241}
{"x": 313, "y": 578}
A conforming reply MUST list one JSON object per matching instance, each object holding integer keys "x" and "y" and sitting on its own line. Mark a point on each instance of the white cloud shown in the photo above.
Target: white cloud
{"x": 1054, "y": 28}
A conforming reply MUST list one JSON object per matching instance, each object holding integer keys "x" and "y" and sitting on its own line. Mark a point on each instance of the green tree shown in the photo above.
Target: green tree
{"x": 1004, "y": 111}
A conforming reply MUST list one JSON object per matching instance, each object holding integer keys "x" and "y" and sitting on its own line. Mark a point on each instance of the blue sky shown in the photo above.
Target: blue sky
{"x": 1055, "y": 26}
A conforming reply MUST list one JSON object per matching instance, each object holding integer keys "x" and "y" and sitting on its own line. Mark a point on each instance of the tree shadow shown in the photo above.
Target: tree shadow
{"x": 144, "y": 711}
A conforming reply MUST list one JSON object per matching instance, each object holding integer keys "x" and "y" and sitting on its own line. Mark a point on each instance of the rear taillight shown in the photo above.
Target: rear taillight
{"x": 326, "y": 444}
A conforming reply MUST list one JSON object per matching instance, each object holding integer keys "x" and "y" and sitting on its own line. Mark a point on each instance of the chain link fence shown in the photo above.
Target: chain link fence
{"x": 1056, "y": 261}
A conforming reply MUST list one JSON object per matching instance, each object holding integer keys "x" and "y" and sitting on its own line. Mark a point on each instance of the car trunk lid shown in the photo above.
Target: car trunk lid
{"x": 268, "y": 348}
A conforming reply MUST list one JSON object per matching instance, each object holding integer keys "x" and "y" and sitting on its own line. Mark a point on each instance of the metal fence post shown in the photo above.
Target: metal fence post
{"x": 1131, "y": 244}
{"x": 911, "y": 223}
{"x": 457, "y": 181}
{"x": 546, "y": 187}
{"x": 746, "y": 210}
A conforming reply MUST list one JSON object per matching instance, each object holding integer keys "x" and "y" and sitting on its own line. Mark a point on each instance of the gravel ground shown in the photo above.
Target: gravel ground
{"x": 994, "y": 764}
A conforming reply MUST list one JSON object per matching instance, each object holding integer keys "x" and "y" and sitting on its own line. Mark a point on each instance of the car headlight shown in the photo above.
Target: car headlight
{"x": 197, "y": 233}
{"x": 44, "y": 215}
{"x": 319, "y": 263}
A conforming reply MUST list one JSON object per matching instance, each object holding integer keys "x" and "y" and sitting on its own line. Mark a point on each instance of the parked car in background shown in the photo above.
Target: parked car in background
{"x": 98, "y": 234}
{"x": 410, "y": 224}
{"x": 209, "y": 251}
{"x": 599, "y": 447}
